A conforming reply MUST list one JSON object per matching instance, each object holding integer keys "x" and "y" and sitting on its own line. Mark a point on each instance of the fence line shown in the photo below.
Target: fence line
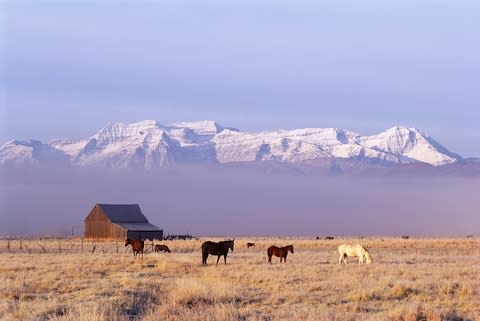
{"x": 65, "y": 246}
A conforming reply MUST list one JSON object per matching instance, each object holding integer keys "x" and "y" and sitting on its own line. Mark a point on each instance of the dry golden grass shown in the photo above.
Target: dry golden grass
{"x": 415, "y": 279}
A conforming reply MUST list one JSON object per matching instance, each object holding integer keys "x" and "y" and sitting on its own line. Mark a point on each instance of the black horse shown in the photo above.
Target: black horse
{"x": 218, "y": 249}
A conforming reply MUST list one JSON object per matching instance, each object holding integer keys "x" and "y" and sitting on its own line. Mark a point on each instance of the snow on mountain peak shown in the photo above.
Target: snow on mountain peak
{"x": 204, "y": 127}
{"x": 410, "y": 145}
{"x": 149, "y": 144}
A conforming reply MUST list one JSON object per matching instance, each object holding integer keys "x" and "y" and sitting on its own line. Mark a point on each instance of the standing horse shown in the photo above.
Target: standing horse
{"x": 218, "y": 249}
{"x": 137, "y": 246}
{"x": 346, "y": 250}
{"x": 281, "y": 252}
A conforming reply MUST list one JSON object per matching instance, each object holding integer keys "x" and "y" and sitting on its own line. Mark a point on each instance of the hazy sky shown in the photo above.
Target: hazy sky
{"x": 69, "y": 67}
{"x": 231, "y": 201}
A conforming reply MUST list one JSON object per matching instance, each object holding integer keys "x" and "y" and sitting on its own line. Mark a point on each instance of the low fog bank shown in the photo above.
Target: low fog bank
{"x": 231, "y": 202}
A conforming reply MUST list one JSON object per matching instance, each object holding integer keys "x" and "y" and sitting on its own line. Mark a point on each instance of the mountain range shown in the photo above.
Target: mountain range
{"x": 149, "y": 144}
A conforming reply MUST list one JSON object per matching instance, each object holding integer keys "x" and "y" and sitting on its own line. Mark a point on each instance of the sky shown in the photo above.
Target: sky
{"x": 67, "y": 68}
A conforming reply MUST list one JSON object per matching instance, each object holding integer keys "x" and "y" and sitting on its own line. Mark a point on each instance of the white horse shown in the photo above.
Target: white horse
{"x": 346, "y": 250}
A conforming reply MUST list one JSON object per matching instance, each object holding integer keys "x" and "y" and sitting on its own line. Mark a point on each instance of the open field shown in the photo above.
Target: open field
{"x": 414, "y": 279}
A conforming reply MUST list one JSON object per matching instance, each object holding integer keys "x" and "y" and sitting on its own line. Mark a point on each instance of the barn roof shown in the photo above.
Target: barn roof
{"x": 125, "y": 213}
{"x": 142, "y": 227}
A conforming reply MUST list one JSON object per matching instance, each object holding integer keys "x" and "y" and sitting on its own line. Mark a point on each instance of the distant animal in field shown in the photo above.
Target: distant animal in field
{"x": 216, "y": 248}
{"x": 137, "y": 247}
{"x": 358, "y": 250}
{"x": 160, "y": 248}
{"x": 281, "y": 252}
{"x": 249, "y": 244}
{"x": 405, "y": 237}
{"x": 328, "y": 238}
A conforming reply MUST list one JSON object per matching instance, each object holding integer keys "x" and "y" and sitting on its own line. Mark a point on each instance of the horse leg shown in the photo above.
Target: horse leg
{"x": 225, "y": 259}
{"x": 218, "y": 258}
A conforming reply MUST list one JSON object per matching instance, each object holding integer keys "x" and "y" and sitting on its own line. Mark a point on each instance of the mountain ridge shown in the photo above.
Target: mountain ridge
{"x": 148, "y": 144}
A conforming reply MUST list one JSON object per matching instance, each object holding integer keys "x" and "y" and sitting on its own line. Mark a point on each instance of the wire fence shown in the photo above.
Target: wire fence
{"x": 62, "y": 245}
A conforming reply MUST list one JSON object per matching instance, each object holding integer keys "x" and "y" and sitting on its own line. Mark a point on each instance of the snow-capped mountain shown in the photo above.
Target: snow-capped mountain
{"x": 148, "y": 144}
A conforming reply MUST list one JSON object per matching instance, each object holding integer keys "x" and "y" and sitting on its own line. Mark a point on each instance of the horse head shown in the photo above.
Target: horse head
{"x": 368, "y": 257}
{"x": 230, "y": 244}
{"x": 128, "y": 242}
{"x": 290, "y": 248}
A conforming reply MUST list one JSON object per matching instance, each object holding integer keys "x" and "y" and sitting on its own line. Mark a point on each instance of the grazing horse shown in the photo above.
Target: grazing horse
{"x": 249, "y": 245}
{"x": 159, "y": 248}
{"x": 346, "y": 250}
{"x": 281, "y": 252}
{"x": 218, "y": 249}
{"x": 137, "y": 246}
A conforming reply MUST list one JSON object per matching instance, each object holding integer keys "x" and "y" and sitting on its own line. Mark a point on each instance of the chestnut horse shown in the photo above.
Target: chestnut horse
{"x": 160, "y": 247}
{"x": 137, "y": 246}
{"x": 281, "y": 252}
{"x": 218, "y": 249}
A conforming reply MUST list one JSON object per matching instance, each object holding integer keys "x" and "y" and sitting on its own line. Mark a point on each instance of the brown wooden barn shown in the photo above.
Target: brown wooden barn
{"x": 114, "y": 221}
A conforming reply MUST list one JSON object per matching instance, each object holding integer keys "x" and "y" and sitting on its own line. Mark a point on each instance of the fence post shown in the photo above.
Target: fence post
{"x": 8, "y": 245}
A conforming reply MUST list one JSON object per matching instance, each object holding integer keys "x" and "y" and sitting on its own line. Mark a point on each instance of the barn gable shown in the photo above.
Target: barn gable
{"x": 107, "y": 221}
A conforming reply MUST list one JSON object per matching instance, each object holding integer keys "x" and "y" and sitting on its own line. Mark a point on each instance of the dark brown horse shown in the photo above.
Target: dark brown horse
{"x": 249, "y": 245}
{"x": 281, "y": 252}
{"x": 218, "y": 249}
{"x": 160, "y": 247}
{"x": 137, "y": 246}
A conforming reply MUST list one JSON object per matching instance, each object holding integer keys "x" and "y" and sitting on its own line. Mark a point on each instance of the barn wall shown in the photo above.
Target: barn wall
{"x": 118, "y": 232}
{"x": 99, "y": 226}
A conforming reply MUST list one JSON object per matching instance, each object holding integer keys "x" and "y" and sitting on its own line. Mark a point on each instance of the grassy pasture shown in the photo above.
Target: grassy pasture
{"x": 415, "y": 279}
